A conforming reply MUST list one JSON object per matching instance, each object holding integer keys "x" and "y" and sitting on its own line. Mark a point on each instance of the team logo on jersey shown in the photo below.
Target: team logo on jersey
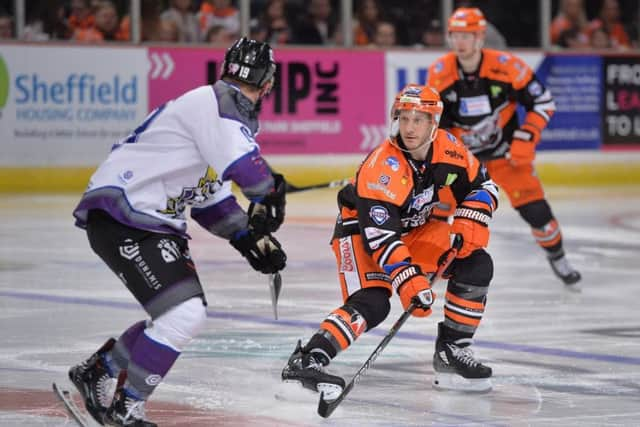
{"x": 393, "y": 163}
{"x": 439, "y": 66}
{"x": 207, "y": 185}
{"x": 451, "y": 137}
{"x": 384, "y": 179}
{"x": 379, "y": 214}
{"x": 535, "y": 88}
{"x": 503, "y": 58}
{"x": 419, "y": 200}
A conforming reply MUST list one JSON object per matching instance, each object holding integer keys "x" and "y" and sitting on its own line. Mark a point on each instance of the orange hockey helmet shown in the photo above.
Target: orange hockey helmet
{"x": 420, "y": 98}
{"x": 467, "y": 19}
{"x": 414, "y": 97}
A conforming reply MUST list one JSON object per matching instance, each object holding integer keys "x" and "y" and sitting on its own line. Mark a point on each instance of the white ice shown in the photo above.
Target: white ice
{"x": 559, "y": 358}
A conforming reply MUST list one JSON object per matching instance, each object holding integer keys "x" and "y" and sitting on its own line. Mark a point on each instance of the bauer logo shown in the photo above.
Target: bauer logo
{"x": 4, "y": 83}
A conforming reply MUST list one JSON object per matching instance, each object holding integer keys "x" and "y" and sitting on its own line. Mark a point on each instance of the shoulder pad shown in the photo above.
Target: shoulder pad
{"x": 505, "y": 67}
{"x": 442, "y": 73}
{"x": 385, "y": 175}
{"x": 447, "y": 149}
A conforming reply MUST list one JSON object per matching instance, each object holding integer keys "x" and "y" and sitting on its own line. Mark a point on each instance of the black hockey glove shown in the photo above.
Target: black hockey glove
{"x": 264, "y": 253}
{"x": 268, "y": 215}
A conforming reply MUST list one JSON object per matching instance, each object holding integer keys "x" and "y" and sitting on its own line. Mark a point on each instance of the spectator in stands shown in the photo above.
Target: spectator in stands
{"x": 432, "y": 36}
{"x": 6, "y": 26}
{"x": 150, "y": 21}
{"x": 609, "y": 20}
{"x": 106, "y": 26}
{"x": 219, "y": 35}
{"x": 275, "y": 22}
{"x": 600, "y": 38}
{"x": 385, "y": 35}
{"x": 571, "y": 14}
{"x": 80, "y": 18}
{"x": 219, "y": 12}
{"x": 317, "y": 26}
{"x": 186, "y": 21}
{"x": 367, "y": 17}
{"x": 572, "y": 38}
{"x": 168, "y": 31}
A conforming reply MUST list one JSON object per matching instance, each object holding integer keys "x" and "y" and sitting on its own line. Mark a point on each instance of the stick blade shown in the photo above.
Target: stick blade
{"x": 275, "y": 285}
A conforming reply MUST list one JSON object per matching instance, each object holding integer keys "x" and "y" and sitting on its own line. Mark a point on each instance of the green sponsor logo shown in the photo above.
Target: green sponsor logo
{"x": 495, "y": 91}
{"x": 4, "y": 83}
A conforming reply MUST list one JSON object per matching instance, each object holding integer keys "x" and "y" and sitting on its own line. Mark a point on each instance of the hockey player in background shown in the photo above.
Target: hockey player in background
{"x": 481, "y": 89}
{"x": 392, "y": 230}
{"x": 185, "y": 153}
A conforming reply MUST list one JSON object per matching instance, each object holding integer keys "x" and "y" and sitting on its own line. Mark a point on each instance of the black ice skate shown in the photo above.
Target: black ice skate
{"x": 126, "y": 409}
{"x": 92, "y": 380}
{"x": 561, "y": 267}
{"x": 456, "y": 367}
{"x": 308, "y": 370}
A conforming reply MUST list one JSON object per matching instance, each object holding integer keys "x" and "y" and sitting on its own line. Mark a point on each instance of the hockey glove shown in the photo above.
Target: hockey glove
{"x": 413, "y": 286}
{"x": 523, "y": 146}
{"x": 267, "y": 216}
{"x": 264, "y": 253}
{"x": 471, "y": 221}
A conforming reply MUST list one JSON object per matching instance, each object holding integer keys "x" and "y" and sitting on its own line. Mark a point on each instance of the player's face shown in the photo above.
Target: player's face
{"x": 464, "y": 44}
{"x": 416, "y": 128}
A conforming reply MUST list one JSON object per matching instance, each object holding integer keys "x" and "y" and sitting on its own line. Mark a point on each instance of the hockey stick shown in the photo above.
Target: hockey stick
{"x": 275, "y": 284}
{"x": 326, "y": 408}
{"x": 290, "y": 188}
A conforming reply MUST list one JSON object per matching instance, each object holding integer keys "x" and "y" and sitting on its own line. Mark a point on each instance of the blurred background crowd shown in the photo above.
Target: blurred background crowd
{"x": 574, "y": 24}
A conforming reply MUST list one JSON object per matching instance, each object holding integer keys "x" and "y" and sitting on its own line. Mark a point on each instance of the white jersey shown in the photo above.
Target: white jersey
{"x": 180, "y": 155}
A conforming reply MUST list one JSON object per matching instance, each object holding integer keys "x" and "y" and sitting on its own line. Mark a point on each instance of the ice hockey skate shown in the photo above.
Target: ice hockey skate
{"x": 565, "y": 272}
{"x": 126, "y": 409}
{"x": 308, "y": 370}
{"x": 94, "y": 383}
{"x": 456, "y": 368}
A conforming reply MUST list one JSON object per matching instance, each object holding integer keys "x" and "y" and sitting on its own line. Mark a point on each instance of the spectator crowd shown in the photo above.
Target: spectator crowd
{"x": 576, "y": 24}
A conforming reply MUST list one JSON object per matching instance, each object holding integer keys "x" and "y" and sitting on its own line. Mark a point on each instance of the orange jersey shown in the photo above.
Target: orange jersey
{"x": 480, "y": 108}
{"x": 394, "y": 194}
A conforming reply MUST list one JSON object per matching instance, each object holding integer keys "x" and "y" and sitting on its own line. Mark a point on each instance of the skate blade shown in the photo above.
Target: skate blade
{"x": 454, "y": 382}
{"x": 331, "y": 391}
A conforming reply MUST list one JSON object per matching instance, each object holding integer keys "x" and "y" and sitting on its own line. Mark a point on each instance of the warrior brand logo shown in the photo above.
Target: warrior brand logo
{"x": 346, "y": 255}
{"x": 169, "y": 250}
{"x": 4, "y": 83}
{"x": 129, "y": 251}
{"x": 153, "y": 380}
{"x": 403, "y": 276}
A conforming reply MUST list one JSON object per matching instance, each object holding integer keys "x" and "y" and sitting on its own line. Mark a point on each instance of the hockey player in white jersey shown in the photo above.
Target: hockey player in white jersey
{"x": 185, "y": 153}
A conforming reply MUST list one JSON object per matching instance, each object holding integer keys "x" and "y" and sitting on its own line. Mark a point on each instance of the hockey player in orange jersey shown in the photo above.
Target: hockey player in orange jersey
{"x": 390, "y": 233}
{"x": 480, "y": 89}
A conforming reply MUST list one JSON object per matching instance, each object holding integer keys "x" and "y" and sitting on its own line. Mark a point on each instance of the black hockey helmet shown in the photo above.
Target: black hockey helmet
{"x": 250, "y": 62}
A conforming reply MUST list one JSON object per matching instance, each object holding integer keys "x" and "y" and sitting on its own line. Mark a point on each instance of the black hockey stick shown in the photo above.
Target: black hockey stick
{"x": 290, "y": 188}
{"x": 326, "y": 408}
